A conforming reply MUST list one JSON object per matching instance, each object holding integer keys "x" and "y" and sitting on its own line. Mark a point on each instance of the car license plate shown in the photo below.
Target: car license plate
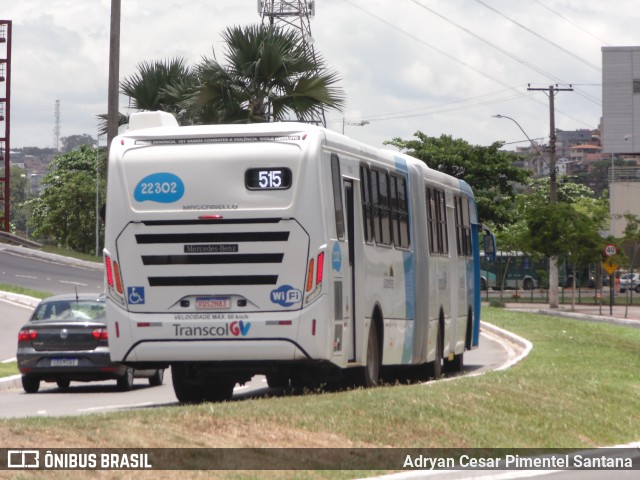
{"x": 64, "y": 362}
{"x": 203, "y": 303}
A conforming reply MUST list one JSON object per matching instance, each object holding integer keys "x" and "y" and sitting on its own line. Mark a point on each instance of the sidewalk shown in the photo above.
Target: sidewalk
{"x": 619, "y": 314}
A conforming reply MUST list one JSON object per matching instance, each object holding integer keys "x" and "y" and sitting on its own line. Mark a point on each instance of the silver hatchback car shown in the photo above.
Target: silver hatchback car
{"x": 630, "y": 281}
{"x": 66, "y": 340}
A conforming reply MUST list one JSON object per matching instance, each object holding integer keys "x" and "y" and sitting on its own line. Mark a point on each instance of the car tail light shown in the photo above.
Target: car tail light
{"x": 100, "y": 334}
{"x": 27, "y": 335}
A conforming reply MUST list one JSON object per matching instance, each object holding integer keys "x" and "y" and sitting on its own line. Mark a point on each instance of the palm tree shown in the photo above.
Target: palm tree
{"x": 158, "y": 85}
{"x": 271, "y": 75}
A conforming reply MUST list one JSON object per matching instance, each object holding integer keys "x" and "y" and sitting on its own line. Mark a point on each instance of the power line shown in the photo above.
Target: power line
{"x": 454, "y": 59}
{"x": 533, "y": 32}
{"x": 571, "y": 22}
{"x": 505, "y": 52}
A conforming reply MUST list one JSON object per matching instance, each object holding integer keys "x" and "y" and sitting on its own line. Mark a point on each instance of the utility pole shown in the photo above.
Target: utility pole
{"x": 553, "y": 182}
{"x": 113, "y": 110}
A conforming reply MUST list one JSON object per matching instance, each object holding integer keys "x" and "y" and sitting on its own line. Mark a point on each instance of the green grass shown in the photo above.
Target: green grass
{"x": 5, "y": 287}
{"x": 8, "y": 369}
{"x": 72, "y": 253}
{"x": 578, "y": 388}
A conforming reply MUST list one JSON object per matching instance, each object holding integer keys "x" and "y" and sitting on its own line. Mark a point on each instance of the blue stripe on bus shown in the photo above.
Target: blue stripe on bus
{"x": 408, "y": 260}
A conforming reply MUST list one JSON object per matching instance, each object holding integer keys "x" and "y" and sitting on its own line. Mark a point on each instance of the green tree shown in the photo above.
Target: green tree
{"x": 488, "y": 170}
{"x": 158, "y": 85}
{"x": 64, "y": 213}
{"x": 270, "y": 75}
{"x": 75, "y": 141}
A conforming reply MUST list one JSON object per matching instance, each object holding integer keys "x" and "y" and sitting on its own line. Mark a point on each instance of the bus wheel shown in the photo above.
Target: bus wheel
{"x": 454, "y": 366}
{"x": 277, "y": 380}
{"x": 527, "y": 284}
{"x": 186, "y": 392}
{"x": 371, "y": 373}
{"x": 218, "y": 390}
{"x": 437, "y": 365}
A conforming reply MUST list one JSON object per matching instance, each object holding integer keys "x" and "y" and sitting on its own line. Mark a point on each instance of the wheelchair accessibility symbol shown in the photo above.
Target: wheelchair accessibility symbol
{"x": 135, "y": 295}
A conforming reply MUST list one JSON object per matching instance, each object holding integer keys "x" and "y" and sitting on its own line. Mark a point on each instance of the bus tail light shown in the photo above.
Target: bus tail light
{"x": 310, "y": 275}
{"x": 114, "y": 281}
{"x": 315, "y": 272}
{"x": 320, "y": 269}
{"x": 116, "y": 274}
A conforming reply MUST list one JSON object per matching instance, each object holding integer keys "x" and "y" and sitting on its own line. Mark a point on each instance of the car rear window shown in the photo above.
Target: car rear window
{"x": 80, "y": 310}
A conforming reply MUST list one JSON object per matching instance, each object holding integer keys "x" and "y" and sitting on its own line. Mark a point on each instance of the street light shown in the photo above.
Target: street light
{"x": 357, "y": 124}
{"x": 525, "y": 134}
{"x": 553, "y": 198}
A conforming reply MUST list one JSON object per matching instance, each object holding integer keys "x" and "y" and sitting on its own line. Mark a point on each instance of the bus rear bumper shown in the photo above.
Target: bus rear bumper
{"x": 171, "y": 350}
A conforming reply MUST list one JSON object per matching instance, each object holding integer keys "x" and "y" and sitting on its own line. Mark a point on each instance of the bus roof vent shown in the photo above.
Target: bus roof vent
{"x": 140, "y": 120}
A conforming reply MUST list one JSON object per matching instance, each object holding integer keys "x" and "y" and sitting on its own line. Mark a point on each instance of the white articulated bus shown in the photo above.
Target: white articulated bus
{"x": 283, "y": 249}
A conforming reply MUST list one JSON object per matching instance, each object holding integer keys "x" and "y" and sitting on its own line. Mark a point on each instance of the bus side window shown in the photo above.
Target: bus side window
{"x": 463, "y": 226}
{"x": 367, "y": 208}
{"x": 337, "y": 196}
{"x": 431, "y": 216}
{"x": 384, "y": 208}
{"x": 400, "y": 212}
{"x": 437, "y": 222}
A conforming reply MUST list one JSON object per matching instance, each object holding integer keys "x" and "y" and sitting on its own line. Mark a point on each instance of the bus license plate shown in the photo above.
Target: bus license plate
{"x": 212, "y": 303}
{"x": 64, "y": 362}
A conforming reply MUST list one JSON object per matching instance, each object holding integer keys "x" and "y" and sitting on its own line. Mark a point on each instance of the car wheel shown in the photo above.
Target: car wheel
{"x": 63, "y": 383}
{"x": 125, "y": 382}
{"x": 30, "y": 384}
{"x": 637, "y": 288}
{"x": 157, "y": 378}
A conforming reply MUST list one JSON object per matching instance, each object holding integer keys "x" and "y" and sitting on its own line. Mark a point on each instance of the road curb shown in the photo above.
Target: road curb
{"x": 15, "y": 381}
{"x": 523, "y": 346}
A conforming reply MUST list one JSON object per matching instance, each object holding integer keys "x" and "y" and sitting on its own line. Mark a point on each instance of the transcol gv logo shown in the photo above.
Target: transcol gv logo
{"x": 286, "y": 296}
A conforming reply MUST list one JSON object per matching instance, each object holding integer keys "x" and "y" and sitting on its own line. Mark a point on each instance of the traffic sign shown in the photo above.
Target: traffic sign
{"x": 610, "y": 266}
{"x": 610, "y": 250}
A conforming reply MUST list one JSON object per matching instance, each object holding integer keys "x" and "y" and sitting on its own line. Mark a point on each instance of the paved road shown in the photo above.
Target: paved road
{"x": 48, "y": 273}
{"x": 83, "y": 398}
{"x": 51, "y": 273}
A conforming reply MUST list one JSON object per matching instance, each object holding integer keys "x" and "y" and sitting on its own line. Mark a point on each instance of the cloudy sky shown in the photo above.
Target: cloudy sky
{"x": 436, "y": 66}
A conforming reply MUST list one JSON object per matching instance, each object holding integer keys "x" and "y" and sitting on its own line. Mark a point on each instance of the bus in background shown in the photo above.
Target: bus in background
{"x": 518, "y": 270}
{"x": 512, "y": 270}
{"x": 287, "y": 250}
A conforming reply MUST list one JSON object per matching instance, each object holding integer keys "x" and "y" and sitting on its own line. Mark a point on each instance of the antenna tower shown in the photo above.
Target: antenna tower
{"x": 56, "y": 127}
{"x": 292, "y": 14}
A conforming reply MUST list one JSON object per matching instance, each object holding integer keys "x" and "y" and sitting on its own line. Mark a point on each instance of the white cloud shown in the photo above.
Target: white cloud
{"x": 404, "y": 68}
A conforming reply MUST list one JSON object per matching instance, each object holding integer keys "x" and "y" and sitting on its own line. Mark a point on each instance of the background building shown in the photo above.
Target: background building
{"x": 621, "y": 129}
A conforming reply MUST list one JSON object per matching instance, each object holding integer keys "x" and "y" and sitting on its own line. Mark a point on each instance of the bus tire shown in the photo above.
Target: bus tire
{"x": 527, "y": 284}
{"x": 218, "y": 390}
{"x": 437, "y": 365}
{"x": 277, "y": 380}
{"x": 185, "y": 391}
{"x": 454, "y": 366}
{"x": 371, "y": 370}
